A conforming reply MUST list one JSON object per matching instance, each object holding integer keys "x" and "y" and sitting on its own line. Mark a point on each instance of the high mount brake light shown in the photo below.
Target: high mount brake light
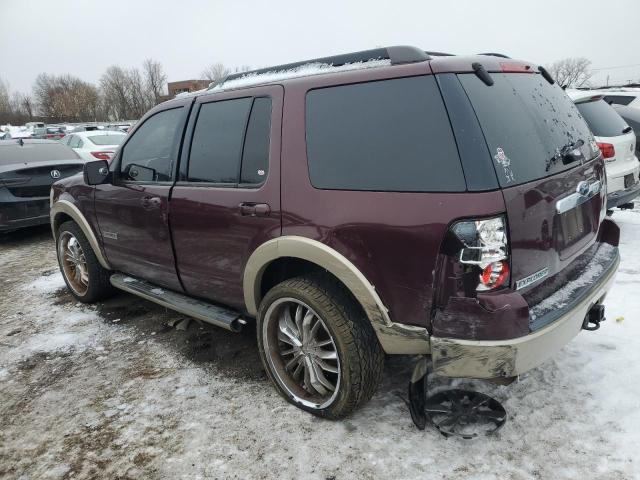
{"x": 485, "y": 247}
{"x": 607, "y": 149}
{"x": 512, "y": 67}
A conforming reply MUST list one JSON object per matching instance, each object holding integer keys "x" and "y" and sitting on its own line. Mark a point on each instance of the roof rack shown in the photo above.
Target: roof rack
{"x": 440, "y": 54}
{"x": 501, "y": 55}
{"x": 397, "y": 55}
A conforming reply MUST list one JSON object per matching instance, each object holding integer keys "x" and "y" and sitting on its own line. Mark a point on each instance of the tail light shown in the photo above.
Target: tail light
{"x": 485, "y": 248}
{"x": 102, "y": 155}
{"x": 608, "y": 150}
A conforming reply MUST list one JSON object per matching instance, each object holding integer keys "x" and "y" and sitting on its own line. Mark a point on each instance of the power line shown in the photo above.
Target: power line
{"x": 618, "y": 66}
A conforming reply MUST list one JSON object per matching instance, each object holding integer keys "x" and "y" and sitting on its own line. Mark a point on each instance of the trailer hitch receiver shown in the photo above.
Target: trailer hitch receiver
{"x": 594, "y": 316}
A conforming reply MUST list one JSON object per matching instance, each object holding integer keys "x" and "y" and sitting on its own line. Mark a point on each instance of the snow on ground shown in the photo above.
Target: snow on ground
{"x": 110, "y": 391}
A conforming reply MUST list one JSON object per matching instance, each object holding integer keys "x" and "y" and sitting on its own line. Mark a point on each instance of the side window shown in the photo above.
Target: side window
{"x": 216, "y": 147}
{"x": 80, "y": 143}
{"x": 150, "y": 154}
{"x": 391, "y": 135}
{"x": 74, "y": 142}
{"x": 255, "y": 156}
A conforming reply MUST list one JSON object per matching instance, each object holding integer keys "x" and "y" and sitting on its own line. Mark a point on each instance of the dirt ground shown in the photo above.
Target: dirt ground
{"x": 112, "y": 391}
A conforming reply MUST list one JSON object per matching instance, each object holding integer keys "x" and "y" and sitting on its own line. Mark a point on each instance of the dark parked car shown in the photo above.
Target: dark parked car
{"x": 413, "y": 204}
{"x": 27, "y": 170}
{"x": 632, "y": 117}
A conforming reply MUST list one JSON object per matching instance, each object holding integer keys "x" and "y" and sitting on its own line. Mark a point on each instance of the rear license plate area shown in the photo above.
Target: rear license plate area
{"x": 574, "y": 225}
{"x": 629, "y": 181}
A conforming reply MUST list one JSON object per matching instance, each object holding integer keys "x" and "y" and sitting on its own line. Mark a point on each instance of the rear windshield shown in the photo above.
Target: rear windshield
{"x": 35, "y": 152}
{"x": 527, "y": 122}
{"x": 390, "y": 135}
{"x": 602, "y": 118}
{"x": 107, "y": 139}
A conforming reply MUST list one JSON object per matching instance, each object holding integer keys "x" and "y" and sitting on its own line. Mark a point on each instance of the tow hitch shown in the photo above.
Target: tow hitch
{"x": 593, "y": 318}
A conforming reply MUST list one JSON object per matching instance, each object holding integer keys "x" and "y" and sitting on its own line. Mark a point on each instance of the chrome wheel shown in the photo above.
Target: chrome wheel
{"x": 73, "y": 263}
{"x": 301, "y": 352}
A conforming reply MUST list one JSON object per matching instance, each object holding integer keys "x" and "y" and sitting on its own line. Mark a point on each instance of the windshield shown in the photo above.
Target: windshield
{"x": 107, "y": 139}
{"x": 602, "y": 118}
{"x": 529, "y": 126}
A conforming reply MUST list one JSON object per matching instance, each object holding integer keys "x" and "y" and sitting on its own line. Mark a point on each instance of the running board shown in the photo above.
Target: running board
{"x": 207, "y": 312}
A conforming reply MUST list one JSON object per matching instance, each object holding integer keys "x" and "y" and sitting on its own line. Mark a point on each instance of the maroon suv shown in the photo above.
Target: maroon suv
{"x": 388, "y": 201}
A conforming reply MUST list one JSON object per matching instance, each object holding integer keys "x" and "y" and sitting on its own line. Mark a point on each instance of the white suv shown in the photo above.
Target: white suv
{"x": 617, "y": 142}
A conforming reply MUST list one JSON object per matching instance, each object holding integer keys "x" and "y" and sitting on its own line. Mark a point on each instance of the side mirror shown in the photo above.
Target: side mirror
{"x": 96, "y": 173}
{"x": 139, "y": 173}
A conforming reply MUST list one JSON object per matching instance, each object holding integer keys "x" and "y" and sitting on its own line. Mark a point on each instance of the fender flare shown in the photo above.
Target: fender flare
{"x": 68, "y": 208}
{"x": 394, "y": 337}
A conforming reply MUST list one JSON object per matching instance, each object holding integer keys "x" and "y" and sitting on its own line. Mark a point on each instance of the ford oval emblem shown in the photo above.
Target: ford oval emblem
{"x": 55, "y": 173}
{"x": 583, "y": 188}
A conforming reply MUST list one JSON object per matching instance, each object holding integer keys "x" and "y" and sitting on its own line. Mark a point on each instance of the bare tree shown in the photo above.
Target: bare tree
{"x": 114, "y": 85}
{"x": 154, "y": 79}
{"x": 64, "y": 98}
{"x": 215, "y": 72}
{"x": 571, "y": 72}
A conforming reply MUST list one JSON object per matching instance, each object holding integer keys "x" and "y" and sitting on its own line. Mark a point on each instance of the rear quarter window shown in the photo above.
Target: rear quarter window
{"x": 526, "y": 122}
{"x": 391, "y": 135}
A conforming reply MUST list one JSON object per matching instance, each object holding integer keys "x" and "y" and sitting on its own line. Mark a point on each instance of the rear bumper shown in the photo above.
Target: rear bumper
{"x": 620, "y": 197}
{"x": 508, "y": 358}
{"x": 22, "y": 212}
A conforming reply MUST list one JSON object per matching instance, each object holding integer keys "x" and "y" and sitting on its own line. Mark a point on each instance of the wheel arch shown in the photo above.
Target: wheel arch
{"x": 64, "y": 210}
{"x": 394, "y": 337}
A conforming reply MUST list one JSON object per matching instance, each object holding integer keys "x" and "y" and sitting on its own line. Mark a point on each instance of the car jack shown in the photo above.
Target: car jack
{"x": 461, "y": 413}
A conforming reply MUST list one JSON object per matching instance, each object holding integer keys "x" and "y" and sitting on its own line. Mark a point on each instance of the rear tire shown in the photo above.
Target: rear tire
{"x": 86, "y": 279}
{"x": 318, "y": 347}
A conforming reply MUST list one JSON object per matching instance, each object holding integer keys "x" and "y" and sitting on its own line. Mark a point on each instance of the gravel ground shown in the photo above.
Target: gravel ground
{"x": 111, "y": 391}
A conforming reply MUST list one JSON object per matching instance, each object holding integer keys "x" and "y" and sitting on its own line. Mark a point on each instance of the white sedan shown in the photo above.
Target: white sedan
{"x": 95, "y": 144}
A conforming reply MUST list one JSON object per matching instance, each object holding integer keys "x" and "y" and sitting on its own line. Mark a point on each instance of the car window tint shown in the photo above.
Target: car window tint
{"x": 154, "y": 146}
{"x": 391, "y": 135}
{"x": 217, "y": 141}
{"x": 602, "y": 118}
{"x": 255, "y": 156}
{"x": 13, "y": 152}
{"x": 619, "y": 99}
{"x": 527, "y": 122}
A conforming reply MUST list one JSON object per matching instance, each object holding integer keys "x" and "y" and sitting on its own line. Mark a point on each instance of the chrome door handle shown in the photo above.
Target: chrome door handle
{"x": 150, "y": 203}
{"x": 248, "y": 209}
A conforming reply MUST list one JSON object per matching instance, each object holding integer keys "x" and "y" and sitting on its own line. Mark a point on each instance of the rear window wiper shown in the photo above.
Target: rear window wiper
{"x": 627, "y": 129}
{"x": 568, "y": 153}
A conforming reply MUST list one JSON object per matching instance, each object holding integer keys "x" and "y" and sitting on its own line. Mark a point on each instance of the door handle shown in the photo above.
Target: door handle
{"x": 150, "y": 203}
{"x": 255, "y": 209}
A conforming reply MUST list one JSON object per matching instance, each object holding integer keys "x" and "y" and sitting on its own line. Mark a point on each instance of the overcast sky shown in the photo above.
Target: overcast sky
{"x": 84, "y": 37}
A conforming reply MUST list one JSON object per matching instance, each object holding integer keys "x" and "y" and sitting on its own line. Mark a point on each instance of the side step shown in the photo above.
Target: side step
{"x": 207, "y": 312}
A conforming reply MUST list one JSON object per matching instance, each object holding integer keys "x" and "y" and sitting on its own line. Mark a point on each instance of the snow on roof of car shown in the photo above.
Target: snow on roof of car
{"x": 306, "y": 70}
{"x": 582, "y": 94}
{"x": 95, "y": 133}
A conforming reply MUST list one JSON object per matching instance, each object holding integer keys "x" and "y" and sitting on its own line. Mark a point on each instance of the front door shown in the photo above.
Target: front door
{"x": 228, "y": 200}
{"x": 133, "y": 211}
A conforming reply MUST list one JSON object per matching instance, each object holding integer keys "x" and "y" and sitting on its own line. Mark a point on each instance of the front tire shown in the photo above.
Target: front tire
{"x": 86, "y": 279}
{"x": 318, "y": 347}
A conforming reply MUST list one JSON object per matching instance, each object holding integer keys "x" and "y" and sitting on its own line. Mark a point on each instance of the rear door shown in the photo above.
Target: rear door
{"x": 548, "y": 166}
{"x": 227, "y": 202}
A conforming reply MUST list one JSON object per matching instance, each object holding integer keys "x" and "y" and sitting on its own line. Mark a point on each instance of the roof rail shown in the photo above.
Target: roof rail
{"x": 502, "y": 55}
{"x": 440, "y": 54}
{"x": 397, "y": 55}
